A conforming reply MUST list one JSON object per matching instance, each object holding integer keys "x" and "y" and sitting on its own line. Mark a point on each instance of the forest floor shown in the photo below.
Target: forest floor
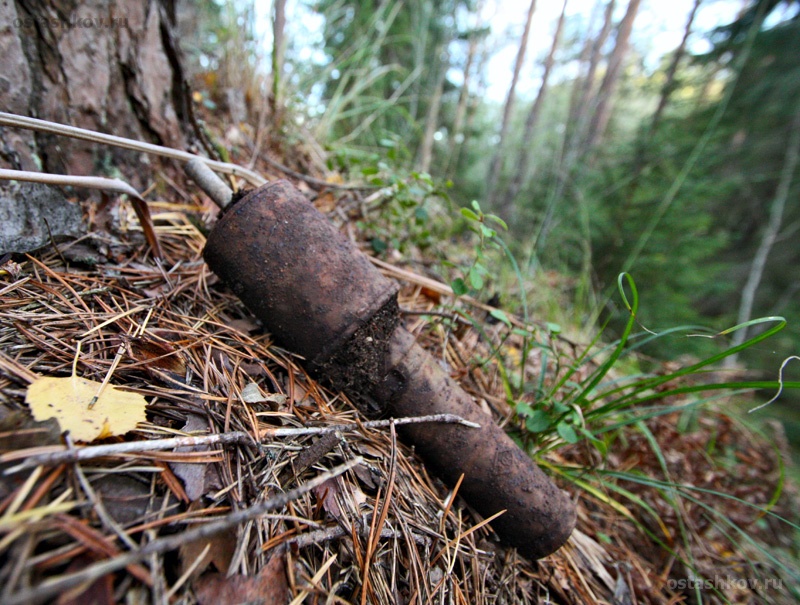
{"x": 125, "y": 523}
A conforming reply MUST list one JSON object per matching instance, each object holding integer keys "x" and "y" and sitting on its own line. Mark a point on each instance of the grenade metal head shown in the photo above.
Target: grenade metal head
{"x": 310, "y": 286}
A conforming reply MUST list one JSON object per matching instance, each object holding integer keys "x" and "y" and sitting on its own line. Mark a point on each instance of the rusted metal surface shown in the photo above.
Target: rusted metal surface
{"x": 498, "y": 475}
{"x": 322, "y": 298}
{"x": 309, "y": 285}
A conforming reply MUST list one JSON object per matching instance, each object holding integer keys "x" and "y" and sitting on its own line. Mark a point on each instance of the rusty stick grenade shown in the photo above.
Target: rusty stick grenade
{"x": 322, "y": 298}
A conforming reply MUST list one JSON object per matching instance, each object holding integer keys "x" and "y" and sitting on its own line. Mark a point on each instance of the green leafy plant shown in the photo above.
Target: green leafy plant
{"x": 601, "y": 409}
{"x": 475, "y": 274}
{"x": 407, "y": 211}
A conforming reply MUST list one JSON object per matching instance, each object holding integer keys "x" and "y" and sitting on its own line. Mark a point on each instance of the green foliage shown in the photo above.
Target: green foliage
{"x": 473, "y": 276}
{"x": 384, "y": 60}
{"x": 593, "y": 401}
{"x": 409, "y": 211}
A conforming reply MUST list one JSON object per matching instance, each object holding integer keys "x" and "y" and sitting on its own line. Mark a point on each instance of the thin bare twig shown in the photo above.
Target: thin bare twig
{"x": 314, "y": 182}
{"x": 335, "y": 532}
{"x": 60, "y": 455}
{"x": 64, "y": 180}
{"x": 10, "y": 119}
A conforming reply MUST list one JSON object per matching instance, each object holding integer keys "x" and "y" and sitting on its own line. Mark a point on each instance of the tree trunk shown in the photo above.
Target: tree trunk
{"x": 669, "y": 83}
{"x": 605, "y": 96}
{"x": 457, "y": 136}
{"x": 432, "y": 119}
{"x": 770, "y": 234}
{"x": 121, "y": 76}
{"x": 473, "y": 104}
{"x": 578, "y": 121}
{"x": 423, "y": 15}
{"x": 494, "y": 168}
{"x": 641, "y": 150}
{"x": 578, "y": 82}
{"x": 574, "y": 147}
{"x": 523, "y": 160}
{"x": 278, "y": 48}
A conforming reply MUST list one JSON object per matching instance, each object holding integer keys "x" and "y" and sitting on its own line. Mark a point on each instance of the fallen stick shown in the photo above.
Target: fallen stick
{"x": 61, "y": 455}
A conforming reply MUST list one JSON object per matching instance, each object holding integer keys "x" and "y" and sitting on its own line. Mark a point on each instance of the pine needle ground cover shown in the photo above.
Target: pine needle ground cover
{"x": 251, "y": 482}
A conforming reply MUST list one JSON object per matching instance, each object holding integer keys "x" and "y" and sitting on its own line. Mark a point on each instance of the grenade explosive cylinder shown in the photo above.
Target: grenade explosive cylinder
{"x": 322, "y": 298}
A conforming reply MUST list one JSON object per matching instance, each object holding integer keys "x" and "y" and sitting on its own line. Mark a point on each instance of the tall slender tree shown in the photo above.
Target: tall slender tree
{"x": 580, "y": 111}
{"x": 278, "y": 49}
{"x": 420, "y": 29}
{"x": 475, "y": 35}
{"x": 508, "y": 108}
{"x": 771, "y": 231}
{"x": 523, "y": 159}
{"x": 473, "y": 105}
{"x": 432, "y": 119}
{"x": 605, "y": 96}
{"x": 672, "y": 70}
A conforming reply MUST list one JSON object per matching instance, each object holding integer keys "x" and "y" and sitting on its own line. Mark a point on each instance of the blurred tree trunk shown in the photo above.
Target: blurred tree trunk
{"x": 121, "y": 76}
{"x": 642, "y": 148}
{"x": 497, "y": 159}
{"x": 578, "y": 82}
{"x": 573, "y": 147}
{"x": 672, "y": 70}
{"x": 457, "y": 136}
{"x": 423, "y": 16}
{"x": 278, "y": 50}
{"x": 473, "y": 104}
{"x": 771, "y": 232}
{"x": 523, "y": 159}
{"x": 605, "y": 96}
{"x": 432, "y": 119}
{"x": 578, "y": 119}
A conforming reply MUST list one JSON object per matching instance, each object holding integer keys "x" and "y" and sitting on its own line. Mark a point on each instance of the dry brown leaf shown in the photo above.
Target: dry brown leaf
{"x": 220, "y": 553}
{"x": 269, "y": 587}
{"x": 99, "y": 592}
{"x": 142, "y": 211}
{"x": 223, "y": 547}
{"x": 331, "y": 491}
{"x": 252, "y": 394}
{"x": 198, "y": 479}
{"x": 158, "y": 355}
{"x": 325, "y": 203}
{"x": 67, "y": 400}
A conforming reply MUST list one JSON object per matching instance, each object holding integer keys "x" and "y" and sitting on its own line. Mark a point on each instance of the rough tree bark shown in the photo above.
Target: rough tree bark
{"x": 523, "y": 159}
{"x": 494, "y": 168}
{"x": 107, "y": 65}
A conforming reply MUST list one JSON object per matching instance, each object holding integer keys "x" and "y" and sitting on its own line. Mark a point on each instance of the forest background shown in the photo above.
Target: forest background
{"x": 602, "y": 149}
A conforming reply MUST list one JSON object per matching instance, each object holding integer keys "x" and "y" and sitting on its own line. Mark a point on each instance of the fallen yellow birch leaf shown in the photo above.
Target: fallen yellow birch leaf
{"x": 67, "y": 400}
